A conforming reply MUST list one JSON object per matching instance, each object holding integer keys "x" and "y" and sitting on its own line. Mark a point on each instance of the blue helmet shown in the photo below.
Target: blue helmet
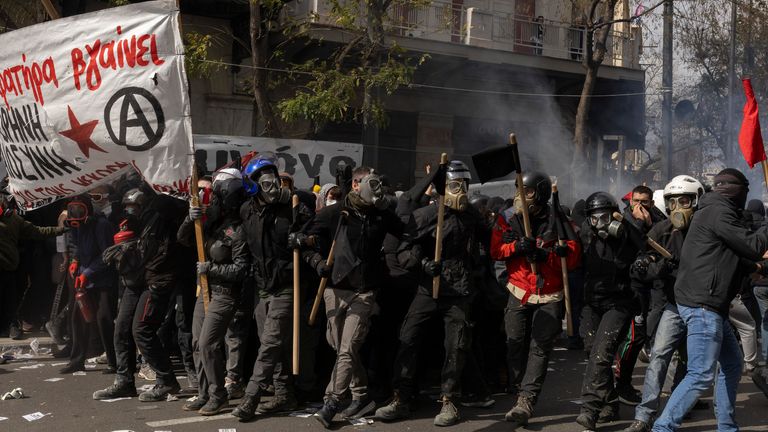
{"x": 254, "y": 168}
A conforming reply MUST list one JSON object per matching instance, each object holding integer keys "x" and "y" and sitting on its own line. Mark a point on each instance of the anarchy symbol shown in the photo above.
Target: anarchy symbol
{"x": 130, "y": 102}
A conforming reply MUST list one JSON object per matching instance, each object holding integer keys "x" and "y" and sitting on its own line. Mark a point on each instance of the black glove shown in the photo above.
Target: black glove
{"x": 538, "y": 255}
{"x": 763, "y": 268}
{"x": 561, "y": 251}
{"x": 640, "y": 266}
{"x": 671, "y": 264}
{"x": 323, "y": 269}
{"x": 432, "y": 267}
{"x": 509, "y": 236}
{"x": 526, "y": 246}
{"x": 297, "y": 240}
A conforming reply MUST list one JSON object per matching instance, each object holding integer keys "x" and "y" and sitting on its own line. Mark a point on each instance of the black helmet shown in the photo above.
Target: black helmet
{"x": 135, "y": 196}
{"x": 600, "y": 201}
{"x": 540, "y": 183}
{"x": 458, "y": 170}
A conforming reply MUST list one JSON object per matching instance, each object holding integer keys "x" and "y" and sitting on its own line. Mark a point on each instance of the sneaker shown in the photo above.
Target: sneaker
{"x": 235, "y": 390}
{"x": 159, "y": 392}
{"x": 758, "y": 377}
{"x": 359, "y": 408}
{"x": 395, "y": 410}
{"x": 475, "y": 401}
{"x": 628, "y": 395}
{"x": 448, "y": 416}
{"x": 115, "y": 391}
{"x": 146, "y": 372}
{"x": 638, "y": 426}
{"x": 279, "y": 403}
{"x": 326, "y": 414}
{"x": 587, "y": 421}
{"x": 521, "y": 412}
{"x": 213, "y": 407}
{"x": 72, "y": 367}
{"x": 609, "y": 413}
{"x": 14, "y": 332}
{"x": 102, "y": 359}
{"x": 247, "y": 408}
{"x": 195, "y": 404}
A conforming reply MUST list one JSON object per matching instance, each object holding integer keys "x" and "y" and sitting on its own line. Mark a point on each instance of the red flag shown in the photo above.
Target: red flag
{"x": 750, "y": 138}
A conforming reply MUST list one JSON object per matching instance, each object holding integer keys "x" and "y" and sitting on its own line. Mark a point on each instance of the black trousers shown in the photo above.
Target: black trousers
{"x": 208, "y": 331}
{"x": 629, "y": 351}
{"x": 458, "y": 341}
{"x": 125, "y": 346}
{"x": 185, "y": 308}
{"x": 104, "y": 302}
{"x": 604, "y": 327}
{"x": 531, "y": 332}
{"x": 149, "y": 316}
{"x": 9, "y": 300}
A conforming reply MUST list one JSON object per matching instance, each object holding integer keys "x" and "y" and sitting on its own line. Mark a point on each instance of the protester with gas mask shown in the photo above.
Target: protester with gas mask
{"x": 718, "y": 251}
{"x": 267, "y": 220}
{"x": 535, "y": 309}
{"x": 462, "y": 228}
{"x": 358, "y": 225}
{"x": 609, "y": 249}
{"x": 13, "y": 229}
{"x": 681, "y": 199}
{"x": 94, "y": 283}
{"x": 126, "y": 258}
{"x": 228, "y": 254}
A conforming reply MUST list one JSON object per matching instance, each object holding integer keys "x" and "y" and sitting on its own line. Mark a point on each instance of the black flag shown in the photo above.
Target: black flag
{"x": 496, "y": 162}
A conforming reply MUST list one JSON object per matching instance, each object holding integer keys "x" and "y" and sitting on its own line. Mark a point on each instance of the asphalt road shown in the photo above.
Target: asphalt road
{"x": 68, "y": 406}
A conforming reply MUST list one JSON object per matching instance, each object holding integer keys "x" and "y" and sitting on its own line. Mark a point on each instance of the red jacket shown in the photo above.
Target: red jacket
{"x": 518, "y": 267}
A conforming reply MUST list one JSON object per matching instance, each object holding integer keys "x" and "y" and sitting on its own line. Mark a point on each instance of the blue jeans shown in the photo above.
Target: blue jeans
{"x": 670, "y": 335}
{"x": 761, "y": 295}
{"x": 710, "y": 339}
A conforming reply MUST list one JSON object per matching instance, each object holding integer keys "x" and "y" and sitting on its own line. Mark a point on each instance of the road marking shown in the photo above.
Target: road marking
{"x": 186, "y": 420}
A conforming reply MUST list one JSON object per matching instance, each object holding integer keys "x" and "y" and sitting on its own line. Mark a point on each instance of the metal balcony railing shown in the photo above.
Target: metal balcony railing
{"x": 441, "y": 21}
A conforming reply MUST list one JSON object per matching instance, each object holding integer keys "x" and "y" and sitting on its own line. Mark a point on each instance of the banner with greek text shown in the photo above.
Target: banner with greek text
{"x": 85, "y": 98}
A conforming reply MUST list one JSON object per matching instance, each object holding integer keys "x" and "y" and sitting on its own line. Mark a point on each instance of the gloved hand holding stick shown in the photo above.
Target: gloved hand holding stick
{"x": 439, "y": 232}
{"x": 324, "y": 280}
{"x": 202, "y": 287}
{"x": 652, "y": 243}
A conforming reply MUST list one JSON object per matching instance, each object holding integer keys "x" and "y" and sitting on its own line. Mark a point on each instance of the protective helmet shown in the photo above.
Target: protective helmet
{"x": 254, "y": 168}
{"x": 540, "y": 183}
{"x": 684, "y": 185}
{"x": 600, "y": 201}
{"x": 228, "y": 187}
{"x": 136, "y": 197}
{"x": 479, "y": 200}
{"x": 458, "y": 170}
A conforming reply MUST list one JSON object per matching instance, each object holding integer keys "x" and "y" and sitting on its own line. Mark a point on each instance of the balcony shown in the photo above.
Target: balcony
{"x": 441, "y": 21}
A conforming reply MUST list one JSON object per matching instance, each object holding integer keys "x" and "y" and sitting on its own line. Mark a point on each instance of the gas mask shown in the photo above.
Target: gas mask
{"x": 270, "y": 190}
{"x": 77, "y": 214}
{"x": 456, "y": 194}
{"x": 372, "y": 192}
{"x": 604, "y": 225}
{"x": 533, "y": 208}
{"x": 680, "y": 209}
{"x": 101, "y": 203}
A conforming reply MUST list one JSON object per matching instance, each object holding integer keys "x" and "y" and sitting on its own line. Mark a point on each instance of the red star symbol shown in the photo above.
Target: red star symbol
{"x": 81, "y": 133}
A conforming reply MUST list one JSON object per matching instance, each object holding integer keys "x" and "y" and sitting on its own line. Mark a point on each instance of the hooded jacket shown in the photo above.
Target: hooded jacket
{"x": 709, "y": 273}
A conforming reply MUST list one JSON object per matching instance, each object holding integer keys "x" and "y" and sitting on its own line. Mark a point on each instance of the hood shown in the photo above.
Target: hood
{"x": 757, "y": 208}
{"x": 714, "y": 199}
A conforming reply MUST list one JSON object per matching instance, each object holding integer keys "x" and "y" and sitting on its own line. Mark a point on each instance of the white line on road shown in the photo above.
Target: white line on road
{"x": 186, "y": 420}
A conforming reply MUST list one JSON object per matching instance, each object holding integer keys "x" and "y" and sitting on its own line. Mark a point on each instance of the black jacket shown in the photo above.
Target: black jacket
{"x": 358, "y": 263}
{"x": 709, "y": 275}
{"x": 157, "y": 244}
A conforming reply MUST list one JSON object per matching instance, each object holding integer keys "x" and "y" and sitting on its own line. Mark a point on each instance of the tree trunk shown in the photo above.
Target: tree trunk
{"x": 262, "y": 108}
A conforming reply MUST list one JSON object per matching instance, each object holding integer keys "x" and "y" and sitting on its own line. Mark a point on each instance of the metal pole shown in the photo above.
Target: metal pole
{"x": 731, "y": 85}
{"x": 666, "y": 84}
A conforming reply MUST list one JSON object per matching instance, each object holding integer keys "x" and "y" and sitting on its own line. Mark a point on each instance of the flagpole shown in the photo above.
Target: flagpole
{"x": 765, "y": 171}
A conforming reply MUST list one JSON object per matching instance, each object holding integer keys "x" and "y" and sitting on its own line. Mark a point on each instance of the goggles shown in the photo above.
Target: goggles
{"x": 679, "y": 202}
{"x": 600, "y": 219}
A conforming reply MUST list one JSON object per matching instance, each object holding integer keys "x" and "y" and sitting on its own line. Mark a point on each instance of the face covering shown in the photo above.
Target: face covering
{"x": 104, "y": 207}
{"x": 270, "y": 190}
{"x": 372, "y": 193}
{"x": 680, "y": 211}
{"x": 604, "y": 226}
{"x": 330, "y": 202}
{"x": 456, "y": 195}
{"x": 732, "y": 188}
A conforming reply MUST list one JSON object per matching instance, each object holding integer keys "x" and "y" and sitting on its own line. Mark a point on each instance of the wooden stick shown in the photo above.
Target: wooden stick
{"x": 765, "y": 171}
{"x": 296, "y": 293}
{"x": 324, "y": 281}
{"x": 651, "y": 242}
{"x": 564, "y": 269}
{"x": 51, "y": 9}
{"x": 202, "y": 287}
{"x": 523, "y": 199}
{"x": 439, "y": 231}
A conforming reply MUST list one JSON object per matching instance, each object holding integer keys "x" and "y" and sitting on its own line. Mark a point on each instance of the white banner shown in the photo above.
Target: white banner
{"x": 303, "y": 159}
{"x": 84, "y": 98}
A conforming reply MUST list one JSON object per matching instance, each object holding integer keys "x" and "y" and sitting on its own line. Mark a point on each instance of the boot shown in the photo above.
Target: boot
{"x": 116, "y": 390}
{"x": 638, "y": 426}
{"x": 629, "y": 395}
{"x": 159, "y": 392}
{"x": 327, "y": 413}
{"x": 609, "y": 413}
{"x": 395, "y": 410}
{"x": 196, "y": 404}
{"x": 71, "y": 368}
{"x": 213, "y": 407}
{"x": 587, "y": 421}
{"x": 235, "y": 390}
{"x": 448, "y": 416}
{"x": 277, "y": 404}
{"x": 247, "y": 408}
{"x": 521, "y": 412}
{"x": 359, "y": 408}
{"x": 758, "y": 377}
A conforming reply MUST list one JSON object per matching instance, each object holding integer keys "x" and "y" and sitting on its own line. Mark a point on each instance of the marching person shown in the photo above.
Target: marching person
{"x": 358, "y": 225}
{"x": 462, "y": 228}
{"x": 718, "y": 251}
{"x": 609, "y": 249}
{"x": 536, "y": 304}
{"x": 681, "y": 199}
{"x": 267, "y": 221}
{"x": 227, "y": 250}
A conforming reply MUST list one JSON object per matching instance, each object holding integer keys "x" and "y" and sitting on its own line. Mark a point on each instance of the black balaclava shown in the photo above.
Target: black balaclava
{"x": 733, "y": 185}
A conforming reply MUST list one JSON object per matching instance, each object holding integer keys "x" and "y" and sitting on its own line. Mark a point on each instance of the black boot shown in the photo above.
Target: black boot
{"x": 327, "y": 413}
{"x": 247, "y": 408}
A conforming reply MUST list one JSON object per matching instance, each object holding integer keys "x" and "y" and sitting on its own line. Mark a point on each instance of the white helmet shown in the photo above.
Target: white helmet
{"x": 684, "y": 185}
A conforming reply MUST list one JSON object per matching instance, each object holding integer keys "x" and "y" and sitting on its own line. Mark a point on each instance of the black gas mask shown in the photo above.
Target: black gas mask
{"x": 604, "y": 225}
{"x": 270, "y": 190}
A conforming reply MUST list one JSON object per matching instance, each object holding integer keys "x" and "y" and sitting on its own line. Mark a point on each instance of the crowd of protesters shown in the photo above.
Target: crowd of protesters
{"x": 116, "y": 272}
